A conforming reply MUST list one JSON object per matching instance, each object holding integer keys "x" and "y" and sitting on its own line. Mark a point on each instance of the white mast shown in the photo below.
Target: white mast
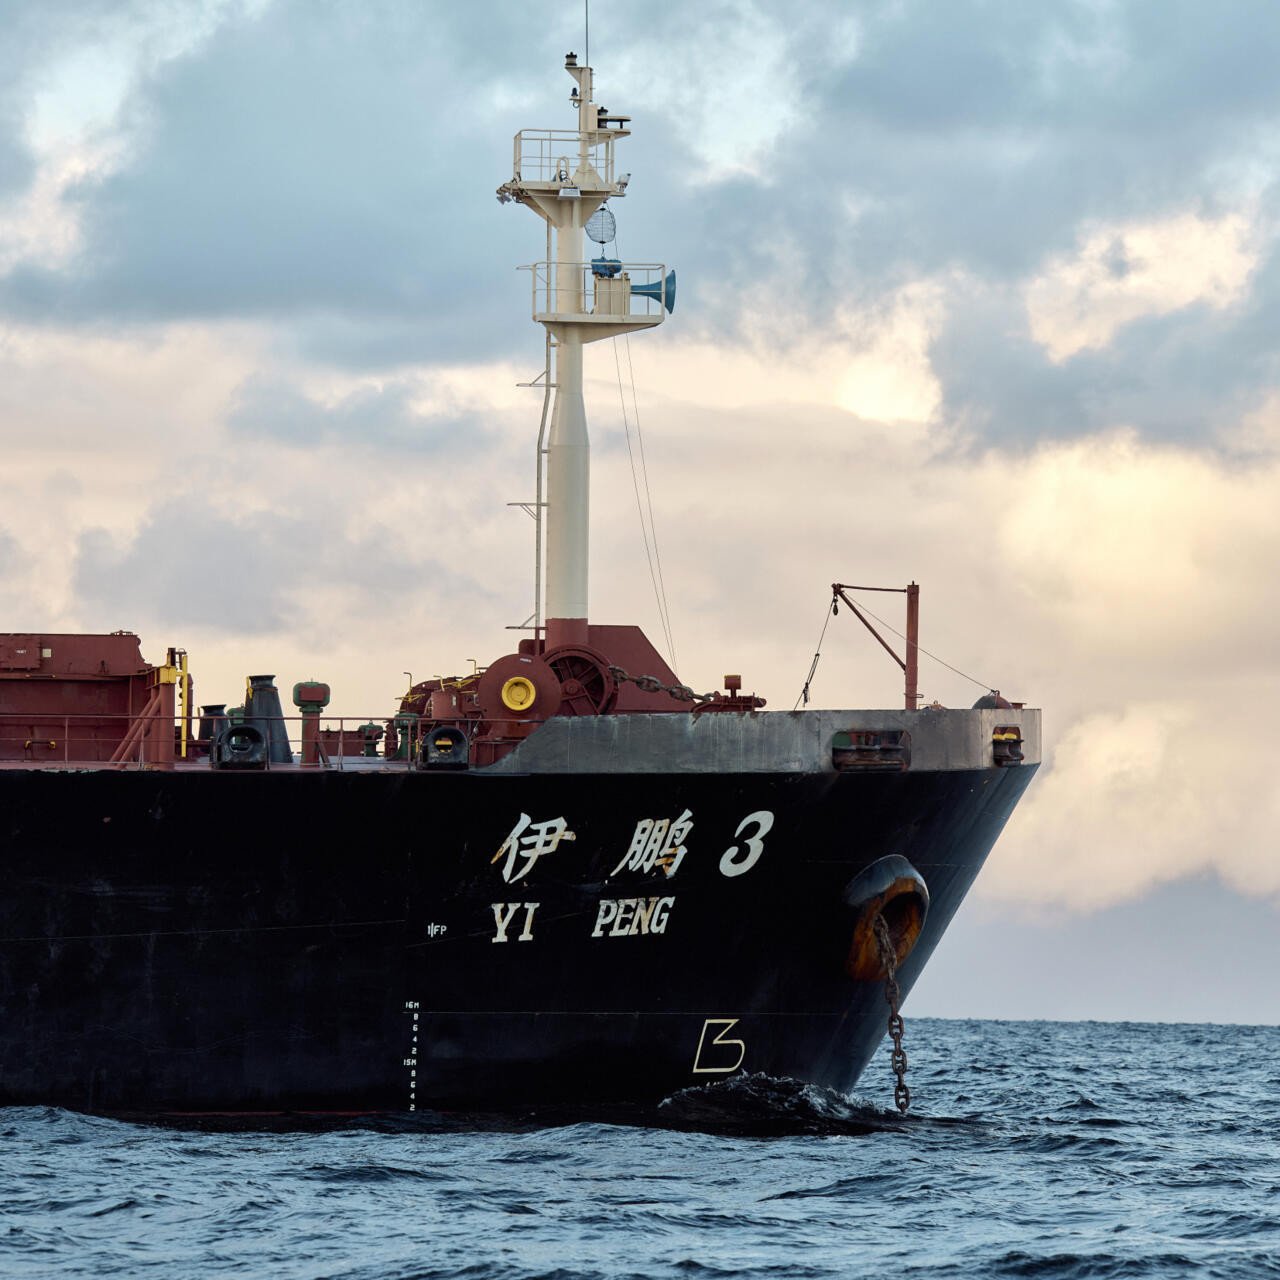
{"x": 565, "y": 176}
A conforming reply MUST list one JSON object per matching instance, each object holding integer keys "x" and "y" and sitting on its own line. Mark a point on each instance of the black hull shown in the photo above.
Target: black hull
{"x": 193, "y": 942}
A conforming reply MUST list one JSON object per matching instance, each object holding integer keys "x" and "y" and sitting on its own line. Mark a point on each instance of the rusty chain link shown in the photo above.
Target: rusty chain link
{"x": 651, "y": 684}
{"x": 680, "y": 692}
{"x": 892, "y": 995}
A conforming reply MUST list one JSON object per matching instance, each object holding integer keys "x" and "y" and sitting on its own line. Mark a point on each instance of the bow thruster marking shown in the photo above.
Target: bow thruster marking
{"x": 725, "y": 1025}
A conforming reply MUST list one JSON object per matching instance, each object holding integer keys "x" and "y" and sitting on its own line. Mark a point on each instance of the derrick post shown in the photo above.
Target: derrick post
{"x": 911, "y": 667}
{"x": 158, "y": 734}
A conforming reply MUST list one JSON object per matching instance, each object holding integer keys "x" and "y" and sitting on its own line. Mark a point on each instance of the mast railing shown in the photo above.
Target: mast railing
{"x": 577, "y": 290}
{"x": 553, "y": 155}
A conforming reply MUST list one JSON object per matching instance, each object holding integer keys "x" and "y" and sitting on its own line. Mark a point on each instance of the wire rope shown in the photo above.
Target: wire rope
{"x": 813, "y": 666}
{"x": 982, "y": 684}
{"x": 648, "y": 526}
{"x": 817, "y": 653}
{"x": 635, "y": 484}
{"x": 648, "y": 495}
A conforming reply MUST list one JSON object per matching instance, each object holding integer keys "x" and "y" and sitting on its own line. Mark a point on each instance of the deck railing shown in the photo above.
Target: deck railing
{"x": 98, "y": 741}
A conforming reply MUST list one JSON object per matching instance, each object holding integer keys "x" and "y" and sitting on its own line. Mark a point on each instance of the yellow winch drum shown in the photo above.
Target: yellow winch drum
{"x": 519, "y": 694}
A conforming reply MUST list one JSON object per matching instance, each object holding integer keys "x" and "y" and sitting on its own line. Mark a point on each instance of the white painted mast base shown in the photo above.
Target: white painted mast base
{"x": 568, "y": 490}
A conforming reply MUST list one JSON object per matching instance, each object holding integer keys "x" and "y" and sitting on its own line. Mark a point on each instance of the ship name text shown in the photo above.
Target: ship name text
{"x": 528, "y": 842}
{"x": 504, "y": 913}
{"x": 657, "y": 842}
{"x": 630, "y": 917}
{"x": 737, "y": 861}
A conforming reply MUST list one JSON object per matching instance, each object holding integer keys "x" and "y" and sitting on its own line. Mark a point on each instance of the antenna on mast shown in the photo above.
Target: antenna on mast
{"x": 586, "y": 38}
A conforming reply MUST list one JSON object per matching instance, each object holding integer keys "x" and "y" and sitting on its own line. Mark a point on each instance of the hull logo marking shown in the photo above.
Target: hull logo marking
{"x": 734, "y": 862}
{"x": 725, "y": 1025}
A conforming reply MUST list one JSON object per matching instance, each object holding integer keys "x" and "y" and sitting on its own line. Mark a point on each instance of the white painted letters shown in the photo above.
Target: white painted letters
{"x": 526, "y": 933}
{"x": 661, "y": 911}
{"x": 624, "y": 918}
{"x": 631, "y": 917}
{"x": 608, "y": 910}
{"x": 657, "y": 842}
{"x": 504, "y": 913}
{"x": 731, "y": 864}
{"x": 529, "y": 840}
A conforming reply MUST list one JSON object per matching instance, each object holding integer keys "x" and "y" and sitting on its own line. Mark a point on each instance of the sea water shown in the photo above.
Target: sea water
{"x": 1031, "y": 1149}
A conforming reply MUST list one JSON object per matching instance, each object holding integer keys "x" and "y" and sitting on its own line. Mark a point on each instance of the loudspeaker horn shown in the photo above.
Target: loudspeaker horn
{"x": 663, "y": 291}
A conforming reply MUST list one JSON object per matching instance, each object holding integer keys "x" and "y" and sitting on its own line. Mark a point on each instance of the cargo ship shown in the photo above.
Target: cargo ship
{"x": 565, "y": 878}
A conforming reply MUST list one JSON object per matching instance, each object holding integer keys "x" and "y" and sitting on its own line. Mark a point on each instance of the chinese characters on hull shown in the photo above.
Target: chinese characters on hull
{"x": 528, "y": 842}
{"x": 656, "y": 843}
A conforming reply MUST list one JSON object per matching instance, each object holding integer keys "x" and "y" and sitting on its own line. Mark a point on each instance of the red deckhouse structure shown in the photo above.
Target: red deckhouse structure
{"x": 77, "y": 699}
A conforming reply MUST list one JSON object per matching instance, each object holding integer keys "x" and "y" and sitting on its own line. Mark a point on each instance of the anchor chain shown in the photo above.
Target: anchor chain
{"x": 680, "y": 692}
{"x": 651, "y": 684}
{"x": 892, "y": 995}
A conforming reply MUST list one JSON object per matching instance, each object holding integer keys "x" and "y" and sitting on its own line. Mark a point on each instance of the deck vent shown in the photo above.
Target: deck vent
{"x": 871, "y": 751}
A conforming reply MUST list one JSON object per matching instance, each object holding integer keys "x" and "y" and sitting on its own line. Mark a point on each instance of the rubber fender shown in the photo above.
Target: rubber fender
{"x": 891, "y": 887}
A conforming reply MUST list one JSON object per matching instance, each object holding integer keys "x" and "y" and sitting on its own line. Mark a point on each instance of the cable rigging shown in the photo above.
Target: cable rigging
{"x": 834, "y": 608}
{"x": 640, "y": 476}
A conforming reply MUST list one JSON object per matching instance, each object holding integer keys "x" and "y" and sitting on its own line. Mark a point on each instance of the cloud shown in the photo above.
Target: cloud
{"x": 1141, "y": 795}
{"x": 294, "y": 163}
{"x": 11, "y": 588}
{"x": 980, "y": 142}
{"x": 1121, "y": 274}
{"x": 727, "y": 127}
{"x": 830, "y": 166}
{"x": 1136, "y": 549}
{"x": 386, "y": 415}
{"x": 16, "y": 163}
{"x": 247, "y": 572}
{"x": 38, "y": 228}
{"x": 889, "y": 375}
{"x": 970, "y": 154}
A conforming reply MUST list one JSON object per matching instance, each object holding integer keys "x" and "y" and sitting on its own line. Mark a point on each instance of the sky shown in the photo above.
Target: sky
{"x": 978, "y": 295}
